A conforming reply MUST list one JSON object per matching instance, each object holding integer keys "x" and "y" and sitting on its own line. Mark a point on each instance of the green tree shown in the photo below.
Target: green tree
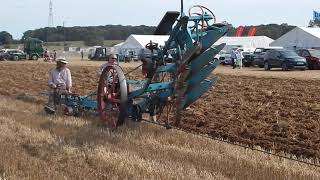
{"x": 77, "y": 33}
{"x": 92, "y": 40}
{"x": 5, "y": 38}
{"x": 96, "y": 34}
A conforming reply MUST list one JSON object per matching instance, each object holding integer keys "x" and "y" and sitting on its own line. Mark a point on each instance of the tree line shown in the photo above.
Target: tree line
{"x": 95, "y": 35}
{"x": 5, "y": 38}
{"x": 92, "y": 35}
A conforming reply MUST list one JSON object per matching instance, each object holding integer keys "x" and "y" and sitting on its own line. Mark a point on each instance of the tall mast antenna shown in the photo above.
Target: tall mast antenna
{"x": 50, "y": 20}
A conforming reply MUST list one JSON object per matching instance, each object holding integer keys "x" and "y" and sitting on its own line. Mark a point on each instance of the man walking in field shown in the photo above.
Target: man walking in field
{"x": 233, "y": 59}
{"x": 60, "y": 82}
{"x": 46, "y": 55}
{"x": 82, "y": 54}
{"x": 54, "y": 55}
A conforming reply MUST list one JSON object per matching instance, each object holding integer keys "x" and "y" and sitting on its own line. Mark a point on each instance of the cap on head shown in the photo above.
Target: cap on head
{"x": 62, "y": 60}
{"x": 112, "y": 56}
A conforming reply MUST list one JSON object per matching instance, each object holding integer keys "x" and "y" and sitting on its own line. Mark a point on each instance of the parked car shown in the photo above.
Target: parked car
{"x": 246, "y": 56}
{"x": 225, "y": 58}
{"x": 247, "y": 59}
{"x": 285, "y": 59}
{"x": 257, "y": 58}
{"x": 14, "y": 54}
{"x": 312, "y": 56}
{"x": 217, "y": 57}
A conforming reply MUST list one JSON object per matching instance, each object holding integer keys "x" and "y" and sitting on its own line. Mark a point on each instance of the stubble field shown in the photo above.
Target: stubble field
{"x": 278, "y": 111}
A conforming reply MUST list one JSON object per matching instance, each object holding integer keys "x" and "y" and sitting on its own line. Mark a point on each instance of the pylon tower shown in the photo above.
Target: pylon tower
{"x": 50, "y": 20}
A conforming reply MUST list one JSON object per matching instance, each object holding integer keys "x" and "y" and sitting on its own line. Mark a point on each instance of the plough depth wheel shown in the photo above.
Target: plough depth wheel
{"x": 112, "y": 96}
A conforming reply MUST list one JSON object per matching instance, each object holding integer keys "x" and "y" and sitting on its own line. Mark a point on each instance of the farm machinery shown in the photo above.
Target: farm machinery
{"x": 33, "y": 47}
{"x": 98, "y": 53}
{"x": 170, "y": 85}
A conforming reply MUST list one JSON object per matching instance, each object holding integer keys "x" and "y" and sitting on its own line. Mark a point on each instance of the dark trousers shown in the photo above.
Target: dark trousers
{"x": 233, "y": 63}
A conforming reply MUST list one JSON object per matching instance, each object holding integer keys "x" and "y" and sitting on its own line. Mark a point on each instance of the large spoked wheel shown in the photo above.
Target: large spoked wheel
{"x": 112, "y": 96}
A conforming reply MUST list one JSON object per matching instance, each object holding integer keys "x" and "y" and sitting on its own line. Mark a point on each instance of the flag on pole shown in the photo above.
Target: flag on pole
{"x": 252, "y": 31}
{"x": 239, "y": 31}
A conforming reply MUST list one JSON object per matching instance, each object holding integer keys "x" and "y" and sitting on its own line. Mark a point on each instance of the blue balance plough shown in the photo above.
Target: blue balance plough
{"x": 176, "y": 74}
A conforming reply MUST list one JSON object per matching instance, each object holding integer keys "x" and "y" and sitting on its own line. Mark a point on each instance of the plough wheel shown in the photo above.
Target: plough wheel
{"x": 112, "y": 96}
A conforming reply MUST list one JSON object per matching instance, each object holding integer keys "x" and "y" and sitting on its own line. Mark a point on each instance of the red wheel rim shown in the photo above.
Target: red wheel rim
{"x": 109, "y": 97}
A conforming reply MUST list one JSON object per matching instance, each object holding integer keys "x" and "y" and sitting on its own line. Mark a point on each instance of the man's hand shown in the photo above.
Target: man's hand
{"x": 53, "y": 86}
{"x": 69, "y": 90}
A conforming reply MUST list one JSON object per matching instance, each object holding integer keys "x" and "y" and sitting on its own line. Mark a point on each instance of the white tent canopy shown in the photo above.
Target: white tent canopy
{"x": 299, "y": 37}
{"x": 116, "y": 48}
{"x": 246, "y": 41}
{"x": 137, "y": 43}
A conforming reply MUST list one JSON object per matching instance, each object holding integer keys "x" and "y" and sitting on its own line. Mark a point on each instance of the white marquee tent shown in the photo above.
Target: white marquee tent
{"x": 299, "y": 37}
{"x": 116, "y": 48}
{"x": 246, "y": 41}
{"x": 137, "y": 43}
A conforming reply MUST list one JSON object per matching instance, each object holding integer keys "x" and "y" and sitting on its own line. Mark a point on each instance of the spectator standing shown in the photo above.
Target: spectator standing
{"x": 82, "y": 54}
{"x": 238, "y": 58}
{"x": 54, "y": 55}
{"x": 233, "y": 58}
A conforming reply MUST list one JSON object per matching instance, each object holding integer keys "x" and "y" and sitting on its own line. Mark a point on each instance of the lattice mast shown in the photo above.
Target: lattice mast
{"x": 50, "y": 19}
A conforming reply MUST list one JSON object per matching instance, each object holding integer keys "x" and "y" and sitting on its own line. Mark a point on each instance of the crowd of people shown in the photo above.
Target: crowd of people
{"x": 50, "y": 57}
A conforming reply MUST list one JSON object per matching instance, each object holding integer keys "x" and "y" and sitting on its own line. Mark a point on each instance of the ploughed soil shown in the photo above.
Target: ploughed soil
{"x": 276, "y": 114}
{"x": 280, "y": 114}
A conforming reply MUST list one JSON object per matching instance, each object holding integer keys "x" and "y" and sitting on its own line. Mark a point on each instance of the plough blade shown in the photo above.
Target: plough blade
{"x": 202, "y": 74}
{"x": 194, "y": 94}
{"x": 187, "y": 57}
{"x": 211, "y": 37}
{"x": 198, "y": 63}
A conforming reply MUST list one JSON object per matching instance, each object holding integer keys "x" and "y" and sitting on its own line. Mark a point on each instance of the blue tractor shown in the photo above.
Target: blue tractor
{"x": 176, "y": 75}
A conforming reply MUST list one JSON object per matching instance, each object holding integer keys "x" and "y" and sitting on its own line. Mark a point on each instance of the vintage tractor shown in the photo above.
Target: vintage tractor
{"x": 33, "y": 47}
{"x": 171, "y": 84}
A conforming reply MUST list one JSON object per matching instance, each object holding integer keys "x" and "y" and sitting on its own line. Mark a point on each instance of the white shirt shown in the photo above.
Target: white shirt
{"x": 238, "y": 55}
{"x": 101, "y": 68}
{"x": 62, "y": 78}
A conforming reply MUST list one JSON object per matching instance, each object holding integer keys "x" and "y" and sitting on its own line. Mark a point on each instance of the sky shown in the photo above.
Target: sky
{"x": 18, "y": 16}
